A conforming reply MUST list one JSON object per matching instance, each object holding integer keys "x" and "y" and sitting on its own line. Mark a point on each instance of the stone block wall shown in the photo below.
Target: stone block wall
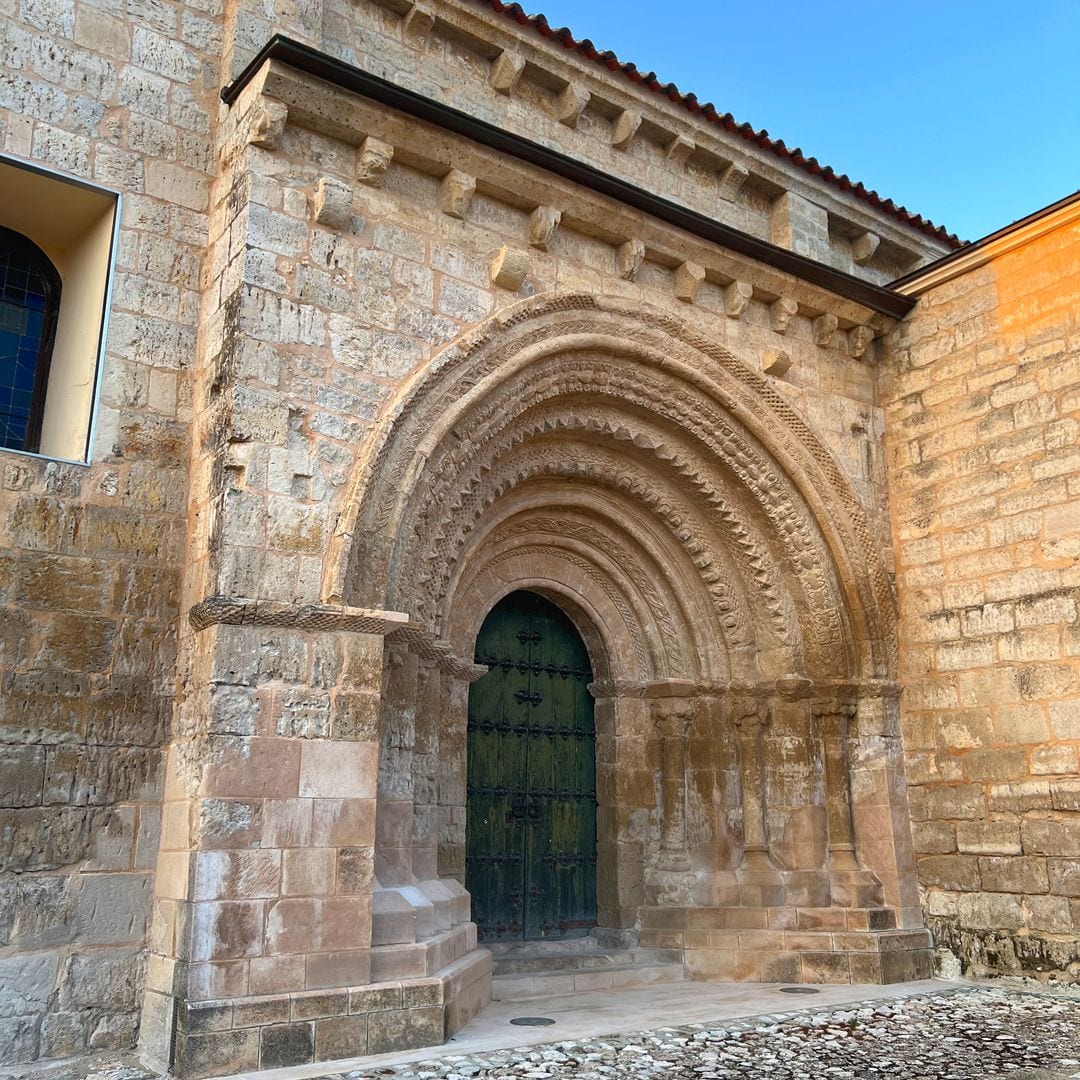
{"x": 91, "y": 557}
{"x": 982, "y": 392}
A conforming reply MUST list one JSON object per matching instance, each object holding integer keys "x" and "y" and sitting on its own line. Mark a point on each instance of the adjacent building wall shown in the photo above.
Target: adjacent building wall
{"x": 90, "y": 557}
{"x": 982, "y": 396}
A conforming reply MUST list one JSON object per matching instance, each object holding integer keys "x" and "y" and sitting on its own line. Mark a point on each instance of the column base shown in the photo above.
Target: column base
{"x": 217, "y": 1038}
{"x": 824, "y": 945}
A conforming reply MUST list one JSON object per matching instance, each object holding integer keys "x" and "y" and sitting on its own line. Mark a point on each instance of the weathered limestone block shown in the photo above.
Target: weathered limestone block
{"x": 737, "y": 297}
{"x": 781, "y": 312}
{"x": 373, "y": 159}
{"x": 572, "y": 103}
{"x": 629, "y": 258}
{"x": 333, "y": 203}
{"x": 688, "y": 276}
{"x": 506, "y": 70}
{"x": 508, "y": 269}
{"x": 624, "y": 129}
{"x": 543, "y": 222}
{"x": 456, "y": 192}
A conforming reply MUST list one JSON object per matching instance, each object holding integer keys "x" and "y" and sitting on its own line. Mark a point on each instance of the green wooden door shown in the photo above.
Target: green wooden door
{"x": 531, "y": 816}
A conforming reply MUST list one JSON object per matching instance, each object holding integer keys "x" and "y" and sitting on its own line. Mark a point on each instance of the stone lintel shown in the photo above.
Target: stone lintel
{"x": 243, "y": 611}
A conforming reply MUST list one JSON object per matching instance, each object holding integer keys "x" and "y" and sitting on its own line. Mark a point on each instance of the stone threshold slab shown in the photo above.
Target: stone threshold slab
{"x": 598, "y": 1013}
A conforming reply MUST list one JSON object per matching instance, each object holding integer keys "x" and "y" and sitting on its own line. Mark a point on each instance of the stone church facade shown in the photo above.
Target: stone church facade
{"x": 487, "y": 436}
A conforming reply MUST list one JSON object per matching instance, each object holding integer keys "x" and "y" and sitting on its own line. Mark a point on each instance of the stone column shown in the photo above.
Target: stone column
{"x": 671, "y": 712}
{"x": 750, "y": 716}
{"x": 834, "y": 719}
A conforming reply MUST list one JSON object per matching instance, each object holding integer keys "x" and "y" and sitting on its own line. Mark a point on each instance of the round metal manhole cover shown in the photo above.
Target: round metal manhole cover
{"x": 798, "y": 990}
{"x": 532, "y": 1021}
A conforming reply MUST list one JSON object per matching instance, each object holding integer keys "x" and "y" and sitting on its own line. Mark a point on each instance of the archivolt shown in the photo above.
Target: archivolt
{"x": 543, "y": 364}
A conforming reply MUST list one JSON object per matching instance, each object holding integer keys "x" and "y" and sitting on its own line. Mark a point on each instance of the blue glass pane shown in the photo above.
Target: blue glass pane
{"x": 25, "y": 297}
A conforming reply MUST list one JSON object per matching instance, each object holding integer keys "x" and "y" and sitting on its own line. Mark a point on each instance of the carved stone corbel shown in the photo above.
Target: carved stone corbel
{"x": 732, "y": 180}
{"x": 824, "y": 328}
{"x": 456, "y": 192}
{"x": 864, "y": 246}
{"x": 630, "y": 256}
{"x": 679, "y": 149}
{"x": 506, "y": 70}
{"x": 268, "y": 119}
{"x": 688, "y": 276}
{"x": 333, "y": 203}
{"x": 543, "y": 222}
{"x": 781, "y": 312}
{"x": 508, "y": 268}
{"x": 373, "y": 160}
{"x": 572, "y": 103}
{"x": 776, "y": 363}
{"x": 859, "y": 340}
{"x": 737, "y": 298}
{"x": 624, "y": 128}
{"x": 418, "y": 23}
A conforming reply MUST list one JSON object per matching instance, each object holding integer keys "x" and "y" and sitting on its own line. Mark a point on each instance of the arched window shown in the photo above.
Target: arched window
{"x": 29, "y": 302}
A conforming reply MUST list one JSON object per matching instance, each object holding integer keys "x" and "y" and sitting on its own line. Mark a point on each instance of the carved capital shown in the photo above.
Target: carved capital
{"x": 781, "y": 312}
{"x": 333, "y": 203}
{"x": 863, "y": 247}
{"x": 736, "y": 298}
{"x": 572, "y": 103}
{"x": 748, "y": 712}
{"x": 508, "y": 268}
{"x": 373, "y": 160}
{"x": 688, "y": 277}
{"x": 624, "y": 128}
{"x": 630, "y": 257}
{"x": 506, "y": 70}
{"x": 543, "y": 222}
{"x": 859, "y": 340}
{"x": 268, "y": 119}
{"x": 456, "y": 192}
{"x": 679, "y": 149}
{"x": 824, "y": 328}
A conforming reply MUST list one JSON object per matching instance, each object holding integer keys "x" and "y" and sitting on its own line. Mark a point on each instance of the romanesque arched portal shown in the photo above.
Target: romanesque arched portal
{"x": 718, "y": 562}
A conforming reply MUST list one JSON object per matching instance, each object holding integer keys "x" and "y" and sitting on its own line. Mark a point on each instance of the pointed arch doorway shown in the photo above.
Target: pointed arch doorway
{"x": 531, "y": 795}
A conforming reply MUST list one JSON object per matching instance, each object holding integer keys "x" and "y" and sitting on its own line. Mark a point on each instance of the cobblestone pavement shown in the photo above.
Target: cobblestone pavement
{"x": 959, "y": 1035}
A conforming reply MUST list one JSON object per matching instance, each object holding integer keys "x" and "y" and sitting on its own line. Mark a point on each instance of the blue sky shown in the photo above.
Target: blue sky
{"x": 965, "y": 112}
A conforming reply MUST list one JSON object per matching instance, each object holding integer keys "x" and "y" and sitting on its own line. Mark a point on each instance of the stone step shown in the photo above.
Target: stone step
{"x": 579, "y": 960}
{"x": 543, "y": 984}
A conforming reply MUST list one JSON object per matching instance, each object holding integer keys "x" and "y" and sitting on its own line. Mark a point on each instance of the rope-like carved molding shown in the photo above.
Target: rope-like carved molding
{"x": 243, "y": 611}
{"x": 422, "y": 643}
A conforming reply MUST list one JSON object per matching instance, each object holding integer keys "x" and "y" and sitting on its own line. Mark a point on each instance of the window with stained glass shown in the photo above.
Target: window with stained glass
{"x": 29, "y": 300}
